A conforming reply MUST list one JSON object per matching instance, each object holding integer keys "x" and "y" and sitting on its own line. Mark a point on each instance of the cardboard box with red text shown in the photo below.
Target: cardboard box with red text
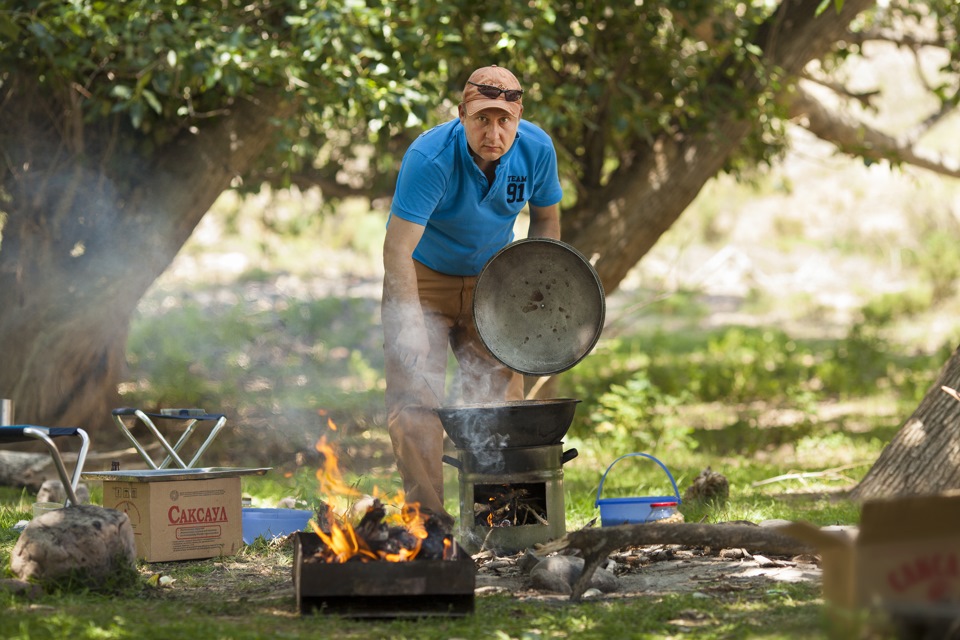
{"x": 904, "y": 561}
{"x": 182, "y": 519}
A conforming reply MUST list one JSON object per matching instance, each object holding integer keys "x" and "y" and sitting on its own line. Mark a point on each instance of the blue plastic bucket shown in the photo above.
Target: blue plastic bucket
{"x": 632, "y": 510}
{"x": 273, "y": 523}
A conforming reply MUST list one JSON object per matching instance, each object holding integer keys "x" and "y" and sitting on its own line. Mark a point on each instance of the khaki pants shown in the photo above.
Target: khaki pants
{"x": 415, "y": 429}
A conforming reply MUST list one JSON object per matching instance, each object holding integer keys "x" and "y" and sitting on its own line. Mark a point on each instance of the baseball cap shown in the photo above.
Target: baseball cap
{"x": 474, "y": 101}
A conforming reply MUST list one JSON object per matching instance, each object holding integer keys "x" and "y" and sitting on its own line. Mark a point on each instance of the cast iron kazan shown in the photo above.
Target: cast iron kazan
{"x": 497, "y": 425}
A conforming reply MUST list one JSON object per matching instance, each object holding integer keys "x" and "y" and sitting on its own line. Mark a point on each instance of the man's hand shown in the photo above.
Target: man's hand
{"x": 413, "y": 346}
{"x": 401, "y": 300}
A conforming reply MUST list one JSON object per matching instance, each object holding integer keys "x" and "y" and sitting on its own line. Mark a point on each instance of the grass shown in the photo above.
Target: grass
{"x": 792, "y": 408}
{"x": 790, "y": 612}
{"x": 764, "y": 444}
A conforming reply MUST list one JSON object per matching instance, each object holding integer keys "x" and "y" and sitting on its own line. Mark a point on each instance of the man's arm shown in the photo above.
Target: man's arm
{"x": 545, "y": 222}
{"x": 401, "y": 299}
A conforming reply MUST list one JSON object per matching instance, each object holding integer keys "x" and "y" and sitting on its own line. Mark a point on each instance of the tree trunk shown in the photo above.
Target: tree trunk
{"x": 644, "y": 200}
{"x": 89, "y": 229}
{"x": 922, "y": 457}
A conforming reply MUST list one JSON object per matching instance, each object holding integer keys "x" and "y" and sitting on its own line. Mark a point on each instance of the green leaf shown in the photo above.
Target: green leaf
{"x": 151, "y": 99}
{"x": 838, "y": 5}
{"x": 121, "y": 91}
{"x": 136, "y": 114}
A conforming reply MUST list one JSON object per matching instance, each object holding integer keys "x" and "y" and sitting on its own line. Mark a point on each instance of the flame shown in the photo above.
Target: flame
{"x": 342, "y": 543}
{"x": 323, "y": 413}
{"x": 340, "y": 538}
{"x": 414, "y": 521}
{"x": 331, "y": 480}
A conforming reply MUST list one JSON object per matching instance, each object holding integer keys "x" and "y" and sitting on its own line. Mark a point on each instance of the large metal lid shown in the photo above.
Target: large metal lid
{"x": 539, "y": 306}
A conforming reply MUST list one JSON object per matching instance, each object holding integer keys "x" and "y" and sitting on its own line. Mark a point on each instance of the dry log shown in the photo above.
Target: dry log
{"x": 18, "y": 469}
{"x": 595, "y": 545}
{"x": 30, "y": 469}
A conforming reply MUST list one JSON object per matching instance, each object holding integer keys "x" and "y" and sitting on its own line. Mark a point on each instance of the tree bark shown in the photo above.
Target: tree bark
{"x": 922, "y": 457}
{"x": 90, "y": 227}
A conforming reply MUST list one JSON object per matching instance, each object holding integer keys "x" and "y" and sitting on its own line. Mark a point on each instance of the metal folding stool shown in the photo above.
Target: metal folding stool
{"x": 27, "y": 432}
{"x": 192, "y": 418}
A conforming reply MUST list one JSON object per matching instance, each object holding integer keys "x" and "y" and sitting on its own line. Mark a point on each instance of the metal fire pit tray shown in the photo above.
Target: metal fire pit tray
{"x": 170, "y": 475}
{"x": 380, "y": 589}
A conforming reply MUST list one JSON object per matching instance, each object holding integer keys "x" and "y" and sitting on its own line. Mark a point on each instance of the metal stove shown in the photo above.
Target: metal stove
{"x": 539, "y": 309}
{"x": 511, "y": 498}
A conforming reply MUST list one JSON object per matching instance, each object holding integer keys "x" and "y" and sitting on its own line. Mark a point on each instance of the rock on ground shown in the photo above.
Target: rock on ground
{"x": 87, "y": 546}
{"x": 52, "y": 491}
{"x": 558, "y": 574}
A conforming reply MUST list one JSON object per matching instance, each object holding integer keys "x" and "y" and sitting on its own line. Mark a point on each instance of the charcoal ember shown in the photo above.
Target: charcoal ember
{"x": 325, "y": 518}
{"x": 376, "y": 538}
{"x": 436, "y": 542}
{"x": 371, "y": 526}
{"x": 396, "y": 539}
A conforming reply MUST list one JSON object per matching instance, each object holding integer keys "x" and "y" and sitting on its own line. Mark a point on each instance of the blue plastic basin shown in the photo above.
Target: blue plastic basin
{"x": 273, "y": 523}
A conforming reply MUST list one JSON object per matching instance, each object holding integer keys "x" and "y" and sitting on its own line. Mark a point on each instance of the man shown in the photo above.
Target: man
{"x": 460, "y": 188}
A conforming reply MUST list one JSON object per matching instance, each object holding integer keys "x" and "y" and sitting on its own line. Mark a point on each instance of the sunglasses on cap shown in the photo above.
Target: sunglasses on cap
{"x": 492, "y": 92}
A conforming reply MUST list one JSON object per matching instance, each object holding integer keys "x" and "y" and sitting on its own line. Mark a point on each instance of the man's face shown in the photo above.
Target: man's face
{"x": 490, "y": 132}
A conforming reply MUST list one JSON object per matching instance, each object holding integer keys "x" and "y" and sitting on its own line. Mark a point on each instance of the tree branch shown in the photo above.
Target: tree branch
{"x": 312, "y": 177}
{"x": 858, "y": 138}
{"x": 909, "y": 40}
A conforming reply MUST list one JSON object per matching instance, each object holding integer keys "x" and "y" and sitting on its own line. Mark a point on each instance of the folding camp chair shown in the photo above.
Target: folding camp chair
{"x": 26, "y": 433}
{"x": 192, "y": 418}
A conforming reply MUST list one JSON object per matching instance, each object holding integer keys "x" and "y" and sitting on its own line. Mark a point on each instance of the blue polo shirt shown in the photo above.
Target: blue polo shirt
{"x": 466, "y": 221}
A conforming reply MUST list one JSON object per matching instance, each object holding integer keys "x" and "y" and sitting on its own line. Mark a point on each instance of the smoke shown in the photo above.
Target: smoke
{"x": 478, "y": 429}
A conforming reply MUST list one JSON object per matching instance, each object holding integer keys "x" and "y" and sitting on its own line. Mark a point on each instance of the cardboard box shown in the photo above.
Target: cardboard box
{"x": 180, "y": 519}
{"x": 904, "y": 560}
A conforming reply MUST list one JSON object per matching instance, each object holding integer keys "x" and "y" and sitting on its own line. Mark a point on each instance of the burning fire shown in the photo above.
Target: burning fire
{"x": 389, "y": 530}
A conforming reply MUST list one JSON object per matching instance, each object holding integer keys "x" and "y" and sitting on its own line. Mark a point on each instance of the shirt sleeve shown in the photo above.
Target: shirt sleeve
{"x": 420, "y": 185}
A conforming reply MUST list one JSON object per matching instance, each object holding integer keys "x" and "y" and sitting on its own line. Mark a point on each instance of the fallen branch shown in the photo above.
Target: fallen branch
{"x": 810, "y": 474}
{"x": 596, "y": 545}
{"x": 29, "y": 469}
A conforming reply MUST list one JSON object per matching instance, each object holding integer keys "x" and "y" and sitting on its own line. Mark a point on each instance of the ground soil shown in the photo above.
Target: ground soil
{"x": 642, "y": 571}
{"x": 659, "y": 570}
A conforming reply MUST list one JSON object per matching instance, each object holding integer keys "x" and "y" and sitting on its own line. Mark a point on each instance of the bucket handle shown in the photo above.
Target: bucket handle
{"x": 629, "y": 455}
